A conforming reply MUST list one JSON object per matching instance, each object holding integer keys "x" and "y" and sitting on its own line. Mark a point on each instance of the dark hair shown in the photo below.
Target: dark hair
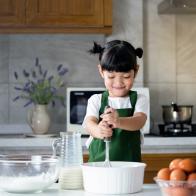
{"x": 117, "y": 55}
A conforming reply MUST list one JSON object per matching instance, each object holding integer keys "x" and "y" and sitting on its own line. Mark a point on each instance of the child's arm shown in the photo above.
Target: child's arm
{"x": 98, "y": 130}
{"x": 132, "y": 123}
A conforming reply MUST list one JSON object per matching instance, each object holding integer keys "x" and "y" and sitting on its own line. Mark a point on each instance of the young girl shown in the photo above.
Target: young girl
{"x": 127, "y": 110}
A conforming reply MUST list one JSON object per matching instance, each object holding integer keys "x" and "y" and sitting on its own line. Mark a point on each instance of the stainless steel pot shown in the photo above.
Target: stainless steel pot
{"x": 177, "y": 113}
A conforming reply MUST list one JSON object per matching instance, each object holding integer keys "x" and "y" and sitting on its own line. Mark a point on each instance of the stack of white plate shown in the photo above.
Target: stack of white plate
{"x": 71, "y": 178}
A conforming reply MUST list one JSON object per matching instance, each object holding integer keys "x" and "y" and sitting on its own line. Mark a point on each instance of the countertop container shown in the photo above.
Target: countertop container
{"x": 176, "y": 188}
{"x": 121, "y": 178}
{"x": 26, "y": 173}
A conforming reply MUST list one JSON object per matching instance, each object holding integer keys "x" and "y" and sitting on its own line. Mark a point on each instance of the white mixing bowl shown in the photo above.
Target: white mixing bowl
{"x": 121, "y": 178}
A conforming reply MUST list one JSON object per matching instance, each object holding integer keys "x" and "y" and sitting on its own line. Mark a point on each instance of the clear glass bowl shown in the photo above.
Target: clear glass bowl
{"x": 176, "y": 188}
{"x": 27, "y": 173}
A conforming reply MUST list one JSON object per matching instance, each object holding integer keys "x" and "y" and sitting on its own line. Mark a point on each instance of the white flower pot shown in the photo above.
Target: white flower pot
{"x": 39, "y": 119}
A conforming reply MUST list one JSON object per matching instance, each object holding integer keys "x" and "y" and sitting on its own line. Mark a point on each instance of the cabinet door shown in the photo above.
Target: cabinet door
{"x": 157, "y": 161}
{"x": 12, "y": 12}
{"x": 65, "y": 13}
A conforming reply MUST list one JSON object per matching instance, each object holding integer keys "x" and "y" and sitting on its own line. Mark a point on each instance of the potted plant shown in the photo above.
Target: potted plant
{"x": 40, "y": 89}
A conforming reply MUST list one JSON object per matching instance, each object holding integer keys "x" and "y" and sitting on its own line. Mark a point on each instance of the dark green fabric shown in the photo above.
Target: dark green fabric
{"x": 124, "y": 145}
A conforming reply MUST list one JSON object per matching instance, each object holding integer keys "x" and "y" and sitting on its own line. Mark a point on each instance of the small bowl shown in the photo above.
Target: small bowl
{"x": 176, "y": 188}
{"x": 121, "y": 178}
{"x": 27, "y": 173}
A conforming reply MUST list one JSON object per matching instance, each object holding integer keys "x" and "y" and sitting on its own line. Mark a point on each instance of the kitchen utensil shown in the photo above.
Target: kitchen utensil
{"x": 121, "y": 178}
{"x": 107, "y": 148}
{"x": 177, "y": 113}
{"x": 176, "y": 188}
{"x": 70, "y": 148}
{"x": 27, "y": 173}
{"x": 71, "y": 159}
{"x": 107, "y": 153}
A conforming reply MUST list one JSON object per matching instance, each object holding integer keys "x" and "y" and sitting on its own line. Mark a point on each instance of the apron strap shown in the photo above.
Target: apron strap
{"x": 104, "y": 101}
{"x": 133, "y": 99}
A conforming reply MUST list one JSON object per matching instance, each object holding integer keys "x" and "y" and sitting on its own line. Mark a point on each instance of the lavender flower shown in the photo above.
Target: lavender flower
{"x": 33, "y": 74}
{"x": 53, "y": 103}
{"x": 45, "y": 74}
{"x": 39, "y": 88}
{"x": 25, "y": 73}
{"x": 28, "y": 103}
{"x": 18, "y": 88}
{"x": 59, "y": 67}
{"x": 16, "y": 98}
{"x": 50, "y": 78}
{"x": 63, "y": 71}
{"x": 40, "y": 69}
{"x": 36, "y": 61}
{"x": 16, "y": 75}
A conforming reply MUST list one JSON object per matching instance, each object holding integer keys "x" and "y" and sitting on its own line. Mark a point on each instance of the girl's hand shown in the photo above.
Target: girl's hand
{"x": 111, "y": 117}
{"x": 104, "y": 130}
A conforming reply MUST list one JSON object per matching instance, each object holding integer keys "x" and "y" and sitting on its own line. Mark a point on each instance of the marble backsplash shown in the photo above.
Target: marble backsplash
{"x": 52, "y": 50}
{"x": 169, "y": 61}
{"x": 168, "y": 67}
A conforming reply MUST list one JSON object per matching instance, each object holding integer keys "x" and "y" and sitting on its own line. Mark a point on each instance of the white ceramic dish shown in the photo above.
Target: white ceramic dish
{"x": 121, "y": 178}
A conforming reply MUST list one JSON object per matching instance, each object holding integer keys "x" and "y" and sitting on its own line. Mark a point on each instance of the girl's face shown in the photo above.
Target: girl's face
{"x": 118, "y": 83}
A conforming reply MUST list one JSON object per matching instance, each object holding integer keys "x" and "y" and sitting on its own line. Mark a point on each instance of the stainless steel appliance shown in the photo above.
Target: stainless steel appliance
{"x": 177, "y": 130}
{"x": 177, "y": 120}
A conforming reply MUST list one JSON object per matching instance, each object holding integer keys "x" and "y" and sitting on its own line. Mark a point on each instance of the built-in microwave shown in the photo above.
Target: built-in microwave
{"x": 77, "y": 98}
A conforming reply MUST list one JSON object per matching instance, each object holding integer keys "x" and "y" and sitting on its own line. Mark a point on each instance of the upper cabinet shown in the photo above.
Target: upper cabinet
{"x": 56, "y": 16}
{"x": 12, "y": 12}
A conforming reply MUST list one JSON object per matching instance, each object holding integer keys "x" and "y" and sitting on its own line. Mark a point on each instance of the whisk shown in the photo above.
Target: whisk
{"x": 107, "y": 148}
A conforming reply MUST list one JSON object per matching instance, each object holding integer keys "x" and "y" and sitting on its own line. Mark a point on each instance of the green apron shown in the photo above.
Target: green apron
{"x": 124, "y": 145}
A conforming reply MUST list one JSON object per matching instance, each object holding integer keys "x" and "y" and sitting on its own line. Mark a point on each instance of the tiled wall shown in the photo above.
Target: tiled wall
{"x": 18, "y": 52}
{"x": 168, "y": 67}
{"x": 169, "y": 62}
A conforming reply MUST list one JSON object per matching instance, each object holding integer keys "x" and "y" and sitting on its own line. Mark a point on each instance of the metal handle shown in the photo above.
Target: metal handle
{"x": 55, "y": 144}
{"x": 175, "y": 107}
{"x": 107, "y": 139}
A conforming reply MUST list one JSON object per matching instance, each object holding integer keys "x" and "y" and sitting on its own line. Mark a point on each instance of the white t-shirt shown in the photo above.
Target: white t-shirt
{"x": 94, "y": 105}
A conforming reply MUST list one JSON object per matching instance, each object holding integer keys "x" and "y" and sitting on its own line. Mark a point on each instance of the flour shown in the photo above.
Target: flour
{"x": 25, "y": 184}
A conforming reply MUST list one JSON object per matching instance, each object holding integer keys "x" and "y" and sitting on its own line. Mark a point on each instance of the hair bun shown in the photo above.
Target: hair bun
{"x": 139, "y": 52}
{"x": 97, "y": 49}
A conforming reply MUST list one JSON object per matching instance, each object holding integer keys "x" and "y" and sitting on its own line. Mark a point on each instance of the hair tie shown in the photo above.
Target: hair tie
{"x": 139, "y": 52}
{"x": 96, "y": 49}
